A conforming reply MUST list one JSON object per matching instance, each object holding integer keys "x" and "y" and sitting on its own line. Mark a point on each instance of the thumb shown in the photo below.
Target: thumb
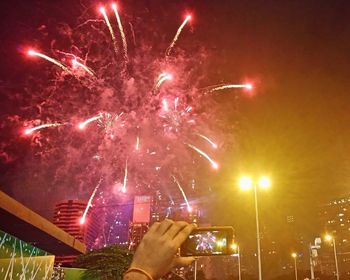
{"x": 183, "y": 261}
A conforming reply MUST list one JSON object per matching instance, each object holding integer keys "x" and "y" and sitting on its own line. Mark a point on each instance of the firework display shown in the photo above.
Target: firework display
{"x": 207, "y": 242}
{"x": 114, "y": 117}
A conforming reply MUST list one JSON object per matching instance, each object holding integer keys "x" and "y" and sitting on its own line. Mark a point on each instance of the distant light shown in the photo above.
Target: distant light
{"x": 245, "y": 183}
{"x": 264, "y": 182}
{"x": 328, "y": 237}
{"x": 234, "y": 246}
{"x": 294, "y": 255}
{"x": 215, "y": 165}
{"x": 188, "y": 17}
{"x": 114, "y": 6}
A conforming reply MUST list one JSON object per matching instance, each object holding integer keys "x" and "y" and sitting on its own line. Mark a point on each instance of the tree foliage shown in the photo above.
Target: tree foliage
{"x": 105, "y": 263}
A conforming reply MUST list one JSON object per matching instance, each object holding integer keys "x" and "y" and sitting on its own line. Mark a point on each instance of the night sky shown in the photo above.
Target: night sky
{"x": 295, "y": 127}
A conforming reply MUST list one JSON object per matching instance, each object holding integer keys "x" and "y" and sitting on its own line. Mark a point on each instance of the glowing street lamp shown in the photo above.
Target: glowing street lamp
{"x": 329, "y": 238}
{"x": 220, "y": 243}
{"x": 294, "y": 256}
{"x": 264, "y": 182}
{"x": 246, "y": 183}
{"x": 235, "y": 247}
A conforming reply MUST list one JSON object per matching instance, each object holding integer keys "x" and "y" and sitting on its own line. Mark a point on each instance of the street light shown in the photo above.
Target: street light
{"x": 246, "y": 183}
{"x": 330, "y": 238}
{"x": 294, "y": 256}
{"x": 235, "y": 248}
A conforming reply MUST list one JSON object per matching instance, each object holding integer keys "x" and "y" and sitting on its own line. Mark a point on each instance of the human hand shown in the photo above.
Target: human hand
{"x": 156, "y": 253}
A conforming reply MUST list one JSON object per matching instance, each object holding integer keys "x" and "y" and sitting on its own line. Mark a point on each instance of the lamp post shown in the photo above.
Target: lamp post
{"x": 294, "y": 256}
{"x": 331, "y": 239}
{"x": 235, "y": 247}
{"x": 195, "y": 268}
{"x": 247, "y": 183}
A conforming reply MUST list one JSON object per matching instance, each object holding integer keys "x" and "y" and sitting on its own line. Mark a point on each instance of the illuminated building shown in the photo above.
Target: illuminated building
{"x": 290, "y": 219}
{"x": 121, "y": 225}
{"x": 141, "y": 220}
{"x": 136, "y": 233}
{"x": 67, "y": 216}
{"x": 160, "y": 208}
{"x": 335, "y": 220}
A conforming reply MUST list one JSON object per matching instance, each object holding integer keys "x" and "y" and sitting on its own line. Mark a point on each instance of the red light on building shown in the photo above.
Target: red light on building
{"x": 142, "y": 209}
{"x": 67, "y": 216}
{"x": 141, "y": 220}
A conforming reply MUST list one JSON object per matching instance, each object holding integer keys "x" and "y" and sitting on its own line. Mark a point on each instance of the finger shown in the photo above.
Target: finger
{"x": 183, "y": 234}
{"x": 175, "y": 228}
{"x": 183, "y": 261}
{"x": 164, "y": 226}
{"x": 153, "y": 228}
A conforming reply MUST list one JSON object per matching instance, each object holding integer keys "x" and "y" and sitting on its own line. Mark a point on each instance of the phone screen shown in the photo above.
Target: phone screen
{"x": 208, "y": 242}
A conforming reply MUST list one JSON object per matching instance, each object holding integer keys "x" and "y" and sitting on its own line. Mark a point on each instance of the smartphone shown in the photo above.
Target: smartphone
{"x": 210, "y": 241}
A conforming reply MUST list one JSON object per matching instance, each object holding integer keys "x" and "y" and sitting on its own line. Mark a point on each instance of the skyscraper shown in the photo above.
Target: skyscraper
{"x": 67, "y": 215}
{"x": 141, "y": 220}
{"x": 335, "y": 220}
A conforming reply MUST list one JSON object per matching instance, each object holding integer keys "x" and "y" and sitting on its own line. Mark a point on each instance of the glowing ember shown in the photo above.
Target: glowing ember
{"x": 214, "y": 145}
{"x": 83, "y": 218}
{"x": 83, "y": 124}
{"x": 177, "y": 35}
{"x": 121, "y": 30}
{"x": 111, "y": 31}
{"x": 189, "y": 209}
{"x": 213, "y": 163}
{"x": 231, "y": 86}
{"x": 50, "y": 59}
{"x": 76, "y": 63}
{"x": 29, "y": 131}
{"x": 125, "y": 177}
{"x": 162, "y": 78}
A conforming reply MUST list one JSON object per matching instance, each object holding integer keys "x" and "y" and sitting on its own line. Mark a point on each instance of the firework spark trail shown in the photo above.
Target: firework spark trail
{"x": 173, "y": 109}
{"x": 137, "y": 147}
{"x": 189, "y": 208}
{"x": 168, "y": 51}
{"x": 83, "y": 124}
{"x": 213, "y": 144}
{"x": 125, "y": 177}
{"x": 161, "y": 75}
{"x": 122, "y": 34}
{"x": 162, "y": 78}
{"x": 50, "y": 59}
{"x": 165, "y": 105}
{"x": 103, "y": 12}
{"x": 246, "y": 86}
{"x": 31, "y": 130}
{"x": 76, "y": 63}
{"x": 176, "y": 102}
{"x": 82, "y": 219}
{"x": 213, "y": 163}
